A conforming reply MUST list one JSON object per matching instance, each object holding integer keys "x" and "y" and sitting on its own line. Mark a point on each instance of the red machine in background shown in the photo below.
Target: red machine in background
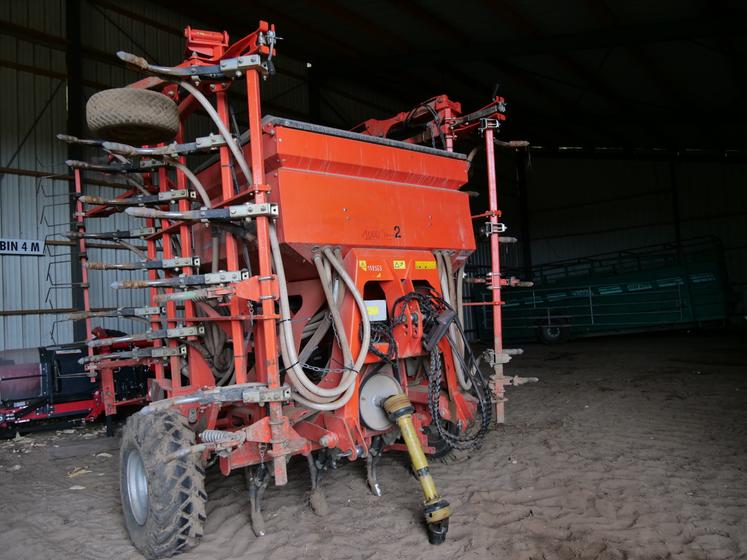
{"x": 48, "y": 385}
{"x": 305, "y": 288}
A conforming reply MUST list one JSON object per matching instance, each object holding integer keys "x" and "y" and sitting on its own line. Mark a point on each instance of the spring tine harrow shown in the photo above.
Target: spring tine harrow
{"x": 177, "y": 332}
{"x": 157, "y": 264}
{"x": 182, "y": 281}
{"x": 230, "y": 213}
{"x": 162, "y": 197}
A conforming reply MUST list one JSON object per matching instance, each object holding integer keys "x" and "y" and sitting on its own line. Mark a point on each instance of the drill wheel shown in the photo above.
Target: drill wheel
{"x": 163, "y": 499}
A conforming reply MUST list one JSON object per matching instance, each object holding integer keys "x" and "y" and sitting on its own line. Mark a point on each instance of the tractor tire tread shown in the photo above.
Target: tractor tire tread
{"x": 176, "y": 495}
{"x": 132, "y": 116}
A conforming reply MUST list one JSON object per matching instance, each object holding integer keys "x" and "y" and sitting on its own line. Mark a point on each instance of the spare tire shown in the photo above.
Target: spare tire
{"x": 132, "y": 116}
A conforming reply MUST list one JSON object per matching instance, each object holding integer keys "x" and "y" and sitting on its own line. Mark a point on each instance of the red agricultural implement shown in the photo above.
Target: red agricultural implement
{"x": 305, "y": 288}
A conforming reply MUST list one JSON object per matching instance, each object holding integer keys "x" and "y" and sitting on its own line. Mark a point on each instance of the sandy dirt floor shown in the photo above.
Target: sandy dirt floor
{"x": 630, "y": 448}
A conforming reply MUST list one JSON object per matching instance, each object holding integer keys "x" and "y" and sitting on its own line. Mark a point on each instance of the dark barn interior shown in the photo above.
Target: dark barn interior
{"x": 625, "y": 284}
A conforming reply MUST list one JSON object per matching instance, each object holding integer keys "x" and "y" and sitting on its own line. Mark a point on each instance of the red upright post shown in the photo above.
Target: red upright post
{"x": 80, "y": 222}
{"x": 232, "y": 246}
{"x": 495, "y": 274}
{"x": 266, "y": 333}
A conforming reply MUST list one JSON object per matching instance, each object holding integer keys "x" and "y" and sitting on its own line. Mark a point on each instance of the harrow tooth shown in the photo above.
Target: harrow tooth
{"x": 163, "y": 197}
{"x": 159, "y": 264}
{"x": 177, "y": 332}
{"x": 183, "y": 280}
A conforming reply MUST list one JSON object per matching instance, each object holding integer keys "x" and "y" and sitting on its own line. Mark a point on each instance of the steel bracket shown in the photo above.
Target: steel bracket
{"x": 236, "y": 67}
{"x": 145, "y": 311}
{"x": 226, "y": 277}
{"x": 253, "y": 210}
{"x": 179, "y": 262}
{"x": 252, "y": 288}
{"x": 491, "y": 228}
{"x": 183, "y": 332}
{"x": 489, "y": 123}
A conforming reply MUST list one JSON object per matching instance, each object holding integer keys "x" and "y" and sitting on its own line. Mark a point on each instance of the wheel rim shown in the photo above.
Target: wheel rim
{"x": 552, "y": 332}
{"x": 137, "y": 487}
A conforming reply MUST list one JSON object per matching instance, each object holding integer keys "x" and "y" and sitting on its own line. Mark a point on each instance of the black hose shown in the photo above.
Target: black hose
{"x": 431, "y": 305}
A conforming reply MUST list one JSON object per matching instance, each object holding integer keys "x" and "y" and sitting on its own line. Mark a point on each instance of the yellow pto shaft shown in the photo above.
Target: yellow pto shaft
{"x": 436, "y": 509}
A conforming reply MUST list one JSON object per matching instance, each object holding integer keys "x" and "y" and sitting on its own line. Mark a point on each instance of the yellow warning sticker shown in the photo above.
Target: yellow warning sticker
{"x": 425, "y": 265}
{"x": 398, "y": 265}
{"x": 372, "y": 310}
{"x": 362, "y": 264}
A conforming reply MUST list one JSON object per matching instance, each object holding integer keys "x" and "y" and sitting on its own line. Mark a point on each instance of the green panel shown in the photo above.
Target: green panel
{"x": 642, "y": 289}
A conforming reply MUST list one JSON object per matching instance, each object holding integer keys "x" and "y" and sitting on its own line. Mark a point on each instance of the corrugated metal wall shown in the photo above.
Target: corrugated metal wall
{"x": 34, "y": 109}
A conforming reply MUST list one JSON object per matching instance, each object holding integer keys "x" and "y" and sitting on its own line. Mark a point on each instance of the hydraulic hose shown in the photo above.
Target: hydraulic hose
{"x": 307, "y": 392}
{"x": 467, "y": 384}
{"x": 365, "y": 321}
{"x": 196, "y": 184}
{"x": 230, "y": 142}
{"x": 445, "y": 273}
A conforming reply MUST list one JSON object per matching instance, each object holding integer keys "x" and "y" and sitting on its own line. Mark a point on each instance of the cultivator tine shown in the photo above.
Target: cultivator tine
{"x": 142, "y": 167}
{"x": 75, "y": 140}
{"x": 202, "y": 144}
{"x": 135, "y": 354}
{"x": 178, "y": 332}
{"x": 517, "y": 283}
{"x": 228, "y": 69}
{"x": 159, "y": 264}
{"x": 127, "y": 312}
{"x": 230, "y": 213}
{"x": 182, "y": 281}
{"x": 513, "y": 282}
{"x": 511, "y": 144}
{"x": 163, "y": 197}
{"x": 120, "y": 234}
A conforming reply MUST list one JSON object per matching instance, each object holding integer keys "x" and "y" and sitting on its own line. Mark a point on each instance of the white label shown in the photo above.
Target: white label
{"x": 21, "y": 247}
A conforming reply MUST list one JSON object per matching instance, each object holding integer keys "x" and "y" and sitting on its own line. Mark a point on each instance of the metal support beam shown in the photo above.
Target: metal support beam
{"x": 74, "y": 151}
{"x": 676, "y": 220}
{"x": 525, "y": 241}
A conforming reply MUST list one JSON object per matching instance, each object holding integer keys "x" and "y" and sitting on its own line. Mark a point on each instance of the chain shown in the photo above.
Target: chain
{"x": 326, "y": 370}
{"x": 435, "y": 376}
{"x": 261, "y": 447}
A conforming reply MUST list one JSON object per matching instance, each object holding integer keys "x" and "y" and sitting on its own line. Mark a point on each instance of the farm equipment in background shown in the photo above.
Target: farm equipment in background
{"x": 305, "y": 288}
{"x": 47, "y": 386}
{"x": 656, "y": 287}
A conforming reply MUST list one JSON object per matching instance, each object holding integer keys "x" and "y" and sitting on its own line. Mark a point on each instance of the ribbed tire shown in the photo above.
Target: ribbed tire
{"x": 174, "y": 515}
{"x": 132, "y": 116}
{"x": 553, "y": 334}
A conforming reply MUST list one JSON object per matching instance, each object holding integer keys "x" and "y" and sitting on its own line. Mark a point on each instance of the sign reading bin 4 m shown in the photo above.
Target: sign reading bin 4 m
{"x": 21, "y": 247}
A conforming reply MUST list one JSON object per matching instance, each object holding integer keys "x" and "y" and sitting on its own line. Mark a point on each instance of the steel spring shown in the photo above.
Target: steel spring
{"x": 220, "y": 436}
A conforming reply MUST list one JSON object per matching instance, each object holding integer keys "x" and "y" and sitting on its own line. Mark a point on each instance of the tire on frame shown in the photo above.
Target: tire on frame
{"x": 132, "y": 116}
{"x": 163, "y": 501}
